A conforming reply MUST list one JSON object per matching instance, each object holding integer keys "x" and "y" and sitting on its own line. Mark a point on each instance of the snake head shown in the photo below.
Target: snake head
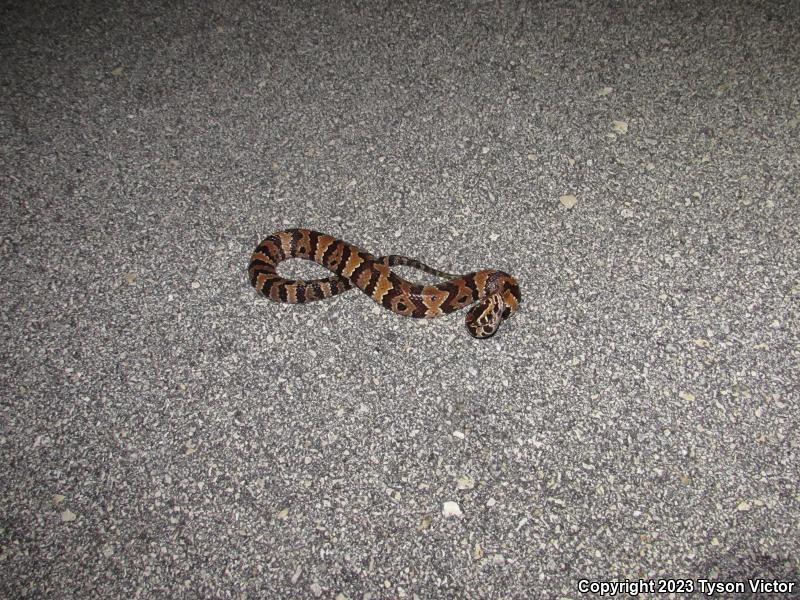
{"x": 485, "y": 317}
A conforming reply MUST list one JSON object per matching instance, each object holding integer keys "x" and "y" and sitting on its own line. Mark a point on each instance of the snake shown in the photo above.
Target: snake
{"x": 492, "y": 295}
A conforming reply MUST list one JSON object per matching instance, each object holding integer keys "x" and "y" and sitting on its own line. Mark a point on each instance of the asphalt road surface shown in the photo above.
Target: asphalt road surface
{"x": 165, "y": 432}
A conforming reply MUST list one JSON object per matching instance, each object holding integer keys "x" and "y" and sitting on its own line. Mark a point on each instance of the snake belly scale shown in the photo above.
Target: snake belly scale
{"x": 492, "y": 295}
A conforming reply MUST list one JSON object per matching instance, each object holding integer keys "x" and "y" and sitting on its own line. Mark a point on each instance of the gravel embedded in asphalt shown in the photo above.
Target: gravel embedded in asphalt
{"x": 168, "y": 433}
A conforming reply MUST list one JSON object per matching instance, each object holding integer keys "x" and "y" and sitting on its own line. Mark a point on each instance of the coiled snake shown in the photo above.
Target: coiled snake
{"x": 494, "y": 294}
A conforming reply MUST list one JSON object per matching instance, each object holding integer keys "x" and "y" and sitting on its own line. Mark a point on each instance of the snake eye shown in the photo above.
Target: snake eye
{"x": 401, "y": 306}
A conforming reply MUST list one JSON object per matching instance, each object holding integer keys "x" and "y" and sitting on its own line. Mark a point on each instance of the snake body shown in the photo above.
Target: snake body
{"x": 493, "y": 295}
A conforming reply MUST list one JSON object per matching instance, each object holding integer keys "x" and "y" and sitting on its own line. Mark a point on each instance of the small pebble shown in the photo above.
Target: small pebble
{"x": 451, "y": 509}
{"x": 568, "y": 201}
